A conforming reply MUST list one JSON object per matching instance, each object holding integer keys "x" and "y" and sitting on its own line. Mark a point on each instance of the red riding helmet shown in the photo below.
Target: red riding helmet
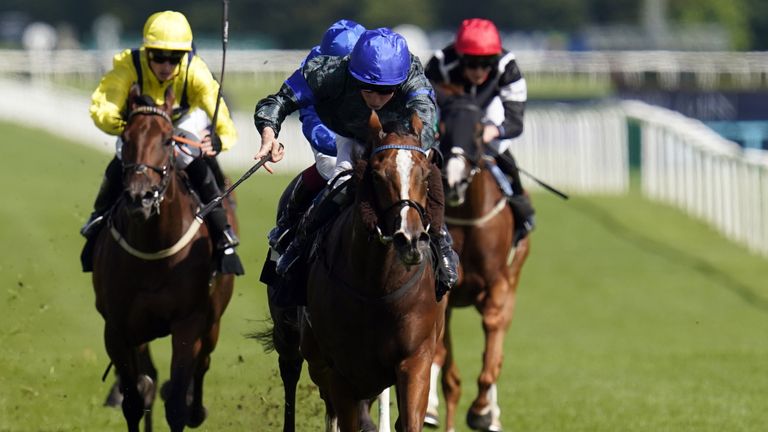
{"x": 478, "y": 37}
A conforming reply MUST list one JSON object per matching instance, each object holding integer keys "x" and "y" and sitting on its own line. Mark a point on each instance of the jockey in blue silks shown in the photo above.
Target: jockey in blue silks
{"x": 380, "y": 74}
{"x": 338, "y": 40}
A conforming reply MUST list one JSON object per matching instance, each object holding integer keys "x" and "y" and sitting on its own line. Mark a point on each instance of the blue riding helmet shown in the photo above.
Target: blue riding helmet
{"x": 380, "y": 58}
{"x": 340, "y": 38}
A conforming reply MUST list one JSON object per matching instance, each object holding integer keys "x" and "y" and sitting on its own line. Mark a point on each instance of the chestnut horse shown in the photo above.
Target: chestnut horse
{"x": 372, "y": 319}
{"x": 154, "y": 276}
{"x": 481, "y": 223}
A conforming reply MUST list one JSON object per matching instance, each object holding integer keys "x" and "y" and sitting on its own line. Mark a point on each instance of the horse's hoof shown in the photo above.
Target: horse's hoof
{"x": 197, "y": 417}
{"x": 432, "y": 420}
{"x": 146, "y": 388}
{"x": 114, "y": 397}
{"x": 482, "y": 422}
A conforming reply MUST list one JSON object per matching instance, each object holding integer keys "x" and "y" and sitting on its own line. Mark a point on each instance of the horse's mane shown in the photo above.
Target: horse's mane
{"x": 144, "y": 100}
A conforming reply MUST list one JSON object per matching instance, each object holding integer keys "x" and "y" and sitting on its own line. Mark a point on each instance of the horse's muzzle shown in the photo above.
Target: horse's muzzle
{"x": 141, "y": 202}
{"x": 411, "y": 248}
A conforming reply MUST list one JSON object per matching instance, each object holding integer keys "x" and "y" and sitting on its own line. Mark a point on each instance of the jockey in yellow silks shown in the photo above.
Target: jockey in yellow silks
{"x": 167, "y": 59}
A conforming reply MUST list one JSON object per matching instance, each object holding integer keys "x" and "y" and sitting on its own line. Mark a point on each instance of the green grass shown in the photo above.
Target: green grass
{"x": 631, "y": 317}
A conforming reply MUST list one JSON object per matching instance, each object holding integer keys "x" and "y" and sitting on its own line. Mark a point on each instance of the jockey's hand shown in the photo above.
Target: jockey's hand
{"x": 270, "y": 146}
{"x": 208, "y": 147}
{"x": 490, "y": 133}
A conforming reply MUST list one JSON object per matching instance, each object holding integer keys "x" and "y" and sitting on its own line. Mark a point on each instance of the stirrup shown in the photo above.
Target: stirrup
{"x": 228, "y": 240}
{"x": 91, "y": 227}
{"x": 288, "y": 258}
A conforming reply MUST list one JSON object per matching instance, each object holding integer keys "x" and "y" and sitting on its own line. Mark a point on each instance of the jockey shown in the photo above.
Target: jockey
{"x": 379, "y": 74}
{"x": 167, "y": 59}
{"x": 477, "y": 62}
{"x": 338, "y": 40}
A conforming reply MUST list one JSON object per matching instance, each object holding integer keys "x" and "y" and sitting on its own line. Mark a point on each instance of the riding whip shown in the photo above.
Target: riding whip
{"x": 224, "y": 40}
{"x": 532, "y": 177}
{"x": 208, "y": 207}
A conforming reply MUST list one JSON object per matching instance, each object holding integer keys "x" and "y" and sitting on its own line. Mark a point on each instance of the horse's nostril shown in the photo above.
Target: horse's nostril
{"x": 399, "y": 240}
{"x": 424, "y": 237}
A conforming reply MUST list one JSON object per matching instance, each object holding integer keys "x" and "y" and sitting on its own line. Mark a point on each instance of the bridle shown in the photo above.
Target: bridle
{"x": 158, "y": 190}
{"x": 403, "y": 203}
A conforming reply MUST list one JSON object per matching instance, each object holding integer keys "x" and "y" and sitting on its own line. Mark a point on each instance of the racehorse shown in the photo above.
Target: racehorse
{"x": 482, "y": 225}
{"x": 153, "y": 274}
{"x": 372, "y": 319}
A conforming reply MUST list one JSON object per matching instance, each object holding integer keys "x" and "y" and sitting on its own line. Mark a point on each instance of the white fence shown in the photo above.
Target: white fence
{"x": 741, "y": 69}
{"x": 689, "y": 166}
{"x": 579, "y": 149}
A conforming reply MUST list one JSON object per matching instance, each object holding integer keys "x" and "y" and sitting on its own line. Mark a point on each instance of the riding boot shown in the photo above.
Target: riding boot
{"x": 448, "y": 261}
{"x": 519, "y": 201}
{"x": 109, "y": 192}
{"x": 224, "y": 237}
{"x": 300, "y": 198}
{"x": 325, "y": 206}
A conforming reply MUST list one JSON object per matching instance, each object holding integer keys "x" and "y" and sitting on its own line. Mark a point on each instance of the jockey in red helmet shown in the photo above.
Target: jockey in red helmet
{"x": 478, "y": 63}
{"x": 379, "y": 74}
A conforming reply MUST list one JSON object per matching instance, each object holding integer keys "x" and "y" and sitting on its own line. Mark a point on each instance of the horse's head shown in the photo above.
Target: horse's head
{"x": 461, "y": 138}
{"x": 147, "y": 152}
{"x": 399, "y": 170}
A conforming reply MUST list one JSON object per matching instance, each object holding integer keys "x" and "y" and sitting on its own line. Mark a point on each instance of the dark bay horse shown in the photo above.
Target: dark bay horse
{"x": 153, "y": 274}
{"x": 372, "y": 319}
{"x": 482, "y": 224}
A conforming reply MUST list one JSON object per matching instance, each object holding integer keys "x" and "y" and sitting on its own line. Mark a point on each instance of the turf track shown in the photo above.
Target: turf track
{"x": 631, "y": 317}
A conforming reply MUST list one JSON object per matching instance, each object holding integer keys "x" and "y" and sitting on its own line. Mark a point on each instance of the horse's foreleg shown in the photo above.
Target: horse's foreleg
{"x": 290, "y": 371}
{"x": 186, "y": 351}
{"x": 148, "y": 387}
{"x": 432, "y": 417}
{"x": 451, "y": 382}
{"x": 413, "y": 391}
{"x": 497, "y": 314}
{"x": 124, "y": 358}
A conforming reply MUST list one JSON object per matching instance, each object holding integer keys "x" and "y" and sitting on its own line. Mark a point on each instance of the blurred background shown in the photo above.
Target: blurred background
{"x": 643, "y": 305}
{"x": 701, "y": 60}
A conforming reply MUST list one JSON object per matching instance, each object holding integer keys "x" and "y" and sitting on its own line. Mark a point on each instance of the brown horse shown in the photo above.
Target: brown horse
{"x": 372, "y": 319}
{"x": 482, "y": 226}
{"x": 153, "y": 274}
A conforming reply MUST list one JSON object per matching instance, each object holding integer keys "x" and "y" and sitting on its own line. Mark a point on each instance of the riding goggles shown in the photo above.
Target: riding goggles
{"x": 478, "y": 62}
{"x": 160, "y": 56}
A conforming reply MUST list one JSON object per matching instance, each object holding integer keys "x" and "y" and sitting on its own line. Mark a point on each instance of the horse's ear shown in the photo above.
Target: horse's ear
{"x": 169, "y": 98}
{"x": 133, "y": 93}
{"x": 374, "y": 125}
{"x": 416, "y": 124}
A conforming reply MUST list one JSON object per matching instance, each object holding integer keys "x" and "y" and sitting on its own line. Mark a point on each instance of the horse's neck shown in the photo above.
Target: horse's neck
{"x": 163, "y": 229}
{"x": 483, "y": 193}
{"x": 371, "y": 264}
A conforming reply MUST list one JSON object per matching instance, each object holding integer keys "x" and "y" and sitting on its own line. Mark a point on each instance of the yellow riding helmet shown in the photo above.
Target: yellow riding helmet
{"x": 168, "y": 30}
